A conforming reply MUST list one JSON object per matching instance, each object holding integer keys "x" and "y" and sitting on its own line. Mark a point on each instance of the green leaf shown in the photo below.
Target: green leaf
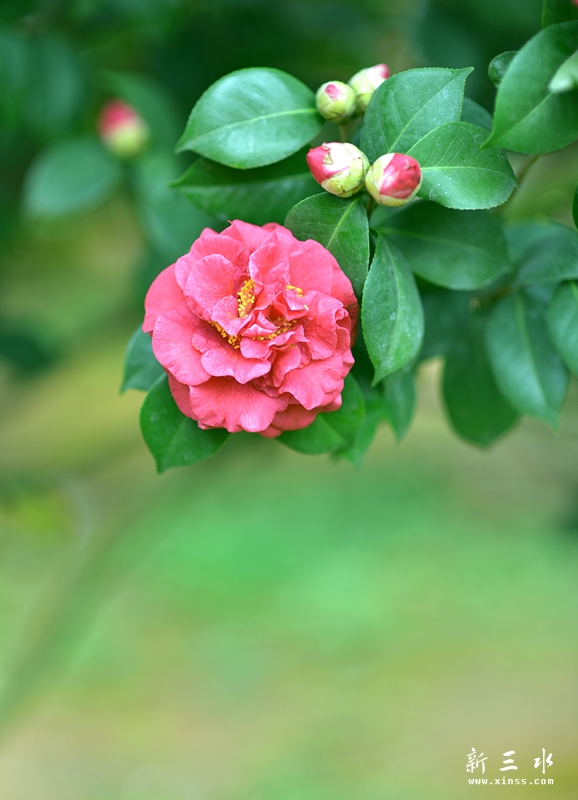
{"x": 562, "y": 317}
{"x": 445, "y": 314}
{"x": 391, "y": 312}
{"x": 347, "y": 419}
{"x": 476, "y": 114}
{"x": 173, "y": 439}
{"x": 554, "y": 11}
{"x": 168, "y": 220}
{"x": 409, "y": 105}
{"x": 476, "y": 409}
{"x": 251, "y": 118}
{"x": 255, "y": 195}
{"x": 70, "y": 176}
{"x": 575, "y": 208}
{"x": 499, "y": 66}
{"x": 334, "y": 431}
{"x": 526, "y": 367}
{"x": 549, "y": 254}
{"x": 373, "y": 404}
{"x": 318, "y": 438}
{"x": 141, "y": 369}
{"x": 457, "y": 174}
{"x": 399, "y": 401}
{"x": 339, "y": 225}
{"x": 152, "y": 102}
{"x": 455, "y": 249}
{"x": 529, "y": 118}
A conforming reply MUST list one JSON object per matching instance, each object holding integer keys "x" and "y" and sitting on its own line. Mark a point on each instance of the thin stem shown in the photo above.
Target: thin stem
{"x": 343, "y": 132}
{"x": 370, "y": 205}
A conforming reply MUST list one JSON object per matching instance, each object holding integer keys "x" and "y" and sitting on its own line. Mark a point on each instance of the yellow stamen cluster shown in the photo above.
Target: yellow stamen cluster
{"x": 234, "y": 340}
{"x": 295, "y": 289}
{"x": 246, "y": 297}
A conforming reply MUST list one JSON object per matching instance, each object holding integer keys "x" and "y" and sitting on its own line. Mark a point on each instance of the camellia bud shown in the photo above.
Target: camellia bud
{"x": 122, "y": 129}
{"x": 394, "y": 179}
{"x": 336, "y": 101}
{"x": 339, "y": 167}
{"x": 365, "y": 82}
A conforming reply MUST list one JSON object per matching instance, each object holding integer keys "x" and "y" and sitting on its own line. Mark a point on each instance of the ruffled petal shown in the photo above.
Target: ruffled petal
{"x": 210, "y": 280}
{"x": 180, "y": 393}
{"x": 173, "y": 345}
{"x": 220, "y": 359}
{"x": 209, "y": 244}
{"x": 163, "y": 295}
{"x": 224, "y": 403}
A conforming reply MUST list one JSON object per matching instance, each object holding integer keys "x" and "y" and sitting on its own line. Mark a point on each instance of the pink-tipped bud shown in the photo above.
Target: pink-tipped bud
{"x": 336, "y": 101}
{"x": 394, "y": 179}
{"x": 339, "y": 167}
{"x": 122, "y": 129}
{"x": 365, "y": 82}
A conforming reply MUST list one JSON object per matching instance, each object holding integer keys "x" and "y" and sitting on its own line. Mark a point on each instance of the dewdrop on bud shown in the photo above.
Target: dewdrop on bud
{"x": 365, "y": 82}
{"x": 340, "y": 168}
{"x": 336, "y": 101}
{"x": 122, "y": 129}
{"x": 394, "y": 179}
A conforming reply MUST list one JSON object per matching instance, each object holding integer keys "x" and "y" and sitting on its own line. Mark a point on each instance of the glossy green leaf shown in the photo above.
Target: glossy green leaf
{"x": 339, "y": 225}
{"x": 409, "y": 105}
{"x": 476, "y": 114}
{"x": 173, "y": 439}
{"x": 251, "y": 118}
{"x": 457, "y": 174}
{"x": 562, "y": 317}
{"x": 152, "y": 102}
{"x": 476, "y": 409}
{"x": 575, "y": 207}
{"x": 529, "y": 118}
{"x": 549, "y": 254}
{"x": 347, "y": 419}
{"x": 445, "y": 314}
{"x": 141, "y": 369}
{"x": 527, "y": 369}
{"x": 334, "y": 431}
{"x": 373, "y": 405}
{"x": 499, "y": 65}
{"x": 399, "y": 401}
{"x": 258, "y": 195}
{"x": 169, "y": 222}
{"x": 391, "y": 312}
{"x": 318, "y": 438}
{"x": 70, "y": 176}
{"x": 455, "y": 249}
{"x": 554, "y": 11}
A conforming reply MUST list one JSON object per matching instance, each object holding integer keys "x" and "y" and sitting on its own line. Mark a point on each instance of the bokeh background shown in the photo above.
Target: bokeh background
{"x": 263, "y": 626}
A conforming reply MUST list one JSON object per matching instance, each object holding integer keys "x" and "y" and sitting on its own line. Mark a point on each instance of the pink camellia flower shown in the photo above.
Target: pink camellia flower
{"x": 122, "y": 129}
{"x": 366, "y": 81}
{"x": 339, "y": 167}
{"x": 394, "y": 179}
{"x": 254, "y": 329}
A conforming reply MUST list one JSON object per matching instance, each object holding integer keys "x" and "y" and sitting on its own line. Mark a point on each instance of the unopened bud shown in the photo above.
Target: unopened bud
{"x": 365, "y": 82}
{"x": 336, "y": 101}
{"x": 566, "y": 76}
{"x": 122, "y": 129}
{"x": 339, "y": 167}
{"x": 394, "y": 179}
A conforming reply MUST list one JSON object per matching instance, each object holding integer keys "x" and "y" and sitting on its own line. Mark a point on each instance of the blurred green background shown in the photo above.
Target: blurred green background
{"x": 264, "y": 626}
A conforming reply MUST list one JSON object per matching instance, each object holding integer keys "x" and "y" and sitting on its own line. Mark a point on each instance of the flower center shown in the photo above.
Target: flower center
{"x": 246, "y": 297}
